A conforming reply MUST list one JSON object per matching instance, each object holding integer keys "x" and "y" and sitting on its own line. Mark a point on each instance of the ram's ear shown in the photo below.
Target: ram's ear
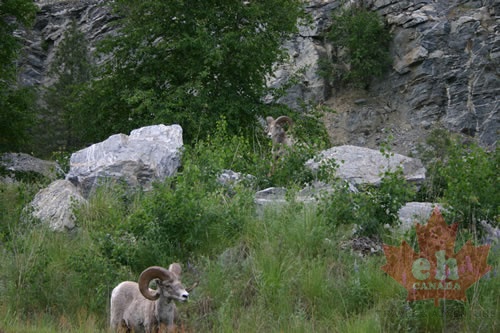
{"x": 175, "y": 268}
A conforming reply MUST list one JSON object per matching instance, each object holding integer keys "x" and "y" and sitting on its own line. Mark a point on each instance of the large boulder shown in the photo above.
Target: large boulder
{"x": 15, "y": 166}
{"x": 359, "y": 165}
{"x": 54, "y": 205}
{"x": 146, "y": 155}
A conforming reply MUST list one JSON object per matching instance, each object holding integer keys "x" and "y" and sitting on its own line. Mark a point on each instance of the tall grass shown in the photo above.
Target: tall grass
{"x": 282, "y": 270}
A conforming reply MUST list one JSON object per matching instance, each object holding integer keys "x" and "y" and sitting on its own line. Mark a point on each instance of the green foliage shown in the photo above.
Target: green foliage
{"x": 16, "y": 104}
{"x": 363, "y": 41}
{"x": 225, "y": 151}
{"x": 472, "y": 179}
{"x": 434, "y": 155}
{"x": 189, "y": 63}
{"x": 13, "y": 13}
{"x": 180, "y": 218}
{"x": 371, "y": 208}
{"x": 13, "y": 198}
{"x": 17, "y": 117}
{"x": 282, "y": 269}
{"x": 464, "y": 176}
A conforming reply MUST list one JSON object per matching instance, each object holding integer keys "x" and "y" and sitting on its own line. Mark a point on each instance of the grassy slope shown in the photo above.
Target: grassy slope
{"x": 285, "y": 272}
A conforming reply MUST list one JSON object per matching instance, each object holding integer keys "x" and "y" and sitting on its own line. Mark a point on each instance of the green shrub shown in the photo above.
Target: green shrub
{"x": 371, "y": 208}
{"x": 464, "y": 176}
{"x": 363, "y": 41}
{"x": 280, "y": 270}
{"x": 472, "y": 180}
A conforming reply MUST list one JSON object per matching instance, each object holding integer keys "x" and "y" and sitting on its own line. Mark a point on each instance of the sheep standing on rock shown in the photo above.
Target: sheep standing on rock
{"x": 136, "y": 308}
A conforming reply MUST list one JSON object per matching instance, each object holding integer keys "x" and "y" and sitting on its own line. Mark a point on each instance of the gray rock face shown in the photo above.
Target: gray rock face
{"x": 446, "y": 55}
{"x": 230, "y": 178}
{"x": 359, "y": 165}
{"x": 93, "y": 18}
{"x": 15, "y": 163}
{"x": 305, "y": 51}
{"x": 147, "y": 154}
{"x": 54, "y": 205}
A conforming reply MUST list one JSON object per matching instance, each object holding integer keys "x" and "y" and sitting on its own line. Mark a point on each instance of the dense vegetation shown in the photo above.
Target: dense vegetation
{"x": 361, "y": 48}
{"x": 279, "y": 269}
{"x": 16, "y": 103}
{"x": 184, "y": 62}
{"x": 283, "y": 268}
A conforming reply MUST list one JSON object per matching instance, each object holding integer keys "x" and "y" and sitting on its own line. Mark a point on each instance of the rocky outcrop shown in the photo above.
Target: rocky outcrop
{"x": 153, "y": 153}
{"x": 446, "y": 55}
{"x": 15, "y": 166}
{"x": 93, "y": 17}
{"x": 147, "y": 154}
{"x": 54, "y": 205}
{"x": 415, "y": 212}
{"x": 359, "y": 165}
{"x": 355, "y": 166}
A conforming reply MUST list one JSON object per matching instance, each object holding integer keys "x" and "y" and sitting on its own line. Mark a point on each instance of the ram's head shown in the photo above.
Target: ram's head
{"x": 168, "y": 282}
{"x": 276, "y": 129}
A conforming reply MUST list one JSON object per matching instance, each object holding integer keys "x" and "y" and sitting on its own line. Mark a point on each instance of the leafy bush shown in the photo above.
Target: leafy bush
{"x": 206, "y": 60}
{"x": 371, "y": 208}
{"x": 16, "y": 104}
{"x": 363, "y": 41}
{"x": 464, "y": 176}
{"x": 472, "y": 178}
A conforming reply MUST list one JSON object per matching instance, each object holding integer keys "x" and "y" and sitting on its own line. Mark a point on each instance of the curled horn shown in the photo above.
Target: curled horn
{"x": 284, "y": 119}
{"x": 150, "y": 273}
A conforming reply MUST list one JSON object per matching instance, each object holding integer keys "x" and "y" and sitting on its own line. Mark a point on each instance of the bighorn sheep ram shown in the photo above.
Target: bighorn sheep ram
{"x": 136, "y": 308}
{"x": 275, "y": 130}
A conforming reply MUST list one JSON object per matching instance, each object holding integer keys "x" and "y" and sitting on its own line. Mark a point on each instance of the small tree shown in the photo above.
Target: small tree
{"x": 190, "y": 62}
{"x": 362, "y": 43}
{"x": 71, "y": 69}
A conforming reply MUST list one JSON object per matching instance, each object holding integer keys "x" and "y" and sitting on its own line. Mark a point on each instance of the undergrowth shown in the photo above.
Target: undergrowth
{"x": 277, "y": 269}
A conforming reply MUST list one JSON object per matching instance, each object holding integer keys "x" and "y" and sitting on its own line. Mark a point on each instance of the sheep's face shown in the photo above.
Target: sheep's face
{"x": 275, "y": 131}
{"x": 173, "y": 290}
{"x": 276, "y": 128}
{"x": 272, "y": 129}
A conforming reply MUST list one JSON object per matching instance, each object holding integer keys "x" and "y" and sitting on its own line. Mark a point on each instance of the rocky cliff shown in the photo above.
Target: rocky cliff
{"x": 445, "y": 71}
{"x": 92, "y": 17}
{"x": 445, "y": 74}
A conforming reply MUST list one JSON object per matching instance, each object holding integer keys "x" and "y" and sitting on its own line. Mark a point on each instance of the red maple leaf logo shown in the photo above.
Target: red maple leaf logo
{"x": 436, "y": 272}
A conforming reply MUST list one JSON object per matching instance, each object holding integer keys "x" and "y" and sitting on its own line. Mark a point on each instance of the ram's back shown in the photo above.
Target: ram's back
{"x": 122, "y": 297}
